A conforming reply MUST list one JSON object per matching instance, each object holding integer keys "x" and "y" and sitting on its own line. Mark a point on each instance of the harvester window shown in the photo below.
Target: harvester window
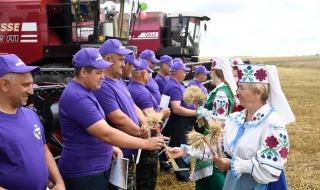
{"x": 178, "y": 32}
{"x": 193, "y": 36}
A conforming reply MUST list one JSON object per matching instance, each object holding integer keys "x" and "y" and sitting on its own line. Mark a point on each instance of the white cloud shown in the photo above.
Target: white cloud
{"x": 253, "y": 28}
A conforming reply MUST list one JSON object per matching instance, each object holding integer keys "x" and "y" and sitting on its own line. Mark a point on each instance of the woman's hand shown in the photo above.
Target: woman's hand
{"x": 222, "y": 164}
{"x": 177, "y": 152}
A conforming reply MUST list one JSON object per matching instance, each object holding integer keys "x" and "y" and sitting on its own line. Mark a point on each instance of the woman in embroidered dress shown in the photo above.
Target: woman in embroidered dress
{"x": 256, "y": 139}
{"x": 220, "y": 101}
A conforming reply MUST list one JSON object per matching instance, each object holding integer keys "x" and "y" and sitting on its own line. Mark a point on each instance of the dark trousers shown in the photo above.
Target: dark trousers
{"x": 147, "y": 169}
{"x": 99, "y": 181}
{"x": 179, "y": 127}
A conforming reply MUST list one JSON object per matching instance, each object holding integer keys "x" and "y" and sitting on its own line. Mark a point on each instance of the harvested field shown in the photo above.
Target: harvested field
{"x": 300, "y": 82}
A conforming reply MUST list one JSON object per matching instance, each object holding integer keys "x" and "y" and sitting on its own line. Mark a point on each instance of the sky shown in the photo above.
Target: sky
{"x": 253, "y": 27}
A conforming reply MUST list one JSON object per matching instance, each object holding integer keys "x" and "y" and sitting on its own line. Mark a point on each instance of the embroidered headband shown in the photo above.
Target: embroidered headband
{"x": 236, "y": 62}
{"x": 253, "y": 74}
{"x": 268, "y": 74}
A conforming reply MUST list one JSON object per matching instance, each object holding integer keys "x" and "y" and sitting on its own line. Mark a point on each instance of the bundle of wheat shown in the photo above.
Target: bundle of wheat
{"x": 215, "y": 135}
{"x": 152, "y": 121}
{"x": 194, "y": 95}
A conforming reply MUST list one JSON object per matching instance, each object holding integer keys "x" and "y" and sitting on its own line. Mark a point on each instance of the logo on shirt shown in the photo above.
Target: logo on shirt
{"x": 37, "y": 132}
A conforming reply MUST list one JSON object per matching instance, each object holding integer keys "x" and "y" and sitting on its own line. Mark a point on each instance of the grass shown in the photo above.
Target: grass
{"x": 300, "y": 81}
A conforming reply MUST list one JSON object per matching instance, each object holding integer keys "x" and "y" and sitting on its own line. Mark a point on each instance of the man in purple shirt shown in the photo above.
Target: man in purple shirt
{"x": 182, "y": 117}
{"x": 129, "y": 61}
{"x": 147, "y": 169}
{"x": 86, "y": 155}
{"x": 152, "y": 86}
{"x": 199, "y": 77}
{"x": 164, "y": 71}
{"x": 25, "y": 160}
{"x": 116, "y": 102}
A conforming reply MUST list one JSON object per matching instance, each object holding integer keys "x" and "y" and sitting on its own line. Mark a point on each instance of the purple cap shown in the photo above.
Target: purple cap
{"x": 149, "y": 54}
{"x": 166, "y": 59}
{"x": 113, "y": 46}
{"x": 90, "y": 57}
{"x": 177, "y": 59}
{"x": 142, "y": 66}
{"x": 131, "y": 59}
{"x": 179, "y": 65}
{"x": 202, "y": 69}
{"x": 11, "y": 63}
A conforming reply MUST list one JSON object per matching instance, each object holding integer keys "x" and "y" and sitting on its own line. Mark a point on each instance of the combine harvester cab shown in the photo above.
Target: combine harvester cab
{"x": 173, "y": 34}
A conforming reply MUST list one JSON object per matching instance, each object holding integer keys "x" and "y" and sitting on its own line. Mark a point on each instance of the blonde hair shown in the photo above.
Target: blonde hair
{"x": 264, "y": 89}
{"x": 219, "y": 74}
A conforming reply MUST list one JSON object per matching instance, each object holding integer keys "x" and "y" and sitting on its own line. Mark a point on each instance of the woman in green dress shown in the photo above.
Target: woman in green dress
{"x": 220, "y": 102}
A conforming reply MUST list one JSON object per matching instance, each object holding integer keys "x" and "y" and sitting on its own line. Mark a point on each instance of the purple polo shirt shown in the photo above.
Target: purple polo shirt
{"x": 123, "y": 82}
{"x": 152, "y": 86}
{"x": 22, "y": 158}
{"x": 161, "y": 81}
{"x": 197, "y": 83}
{"x": 141, "y": 96}
{"x": 114, "y": 95}
{"x": 176, "y": 90}
{"x": 82, "y": 154}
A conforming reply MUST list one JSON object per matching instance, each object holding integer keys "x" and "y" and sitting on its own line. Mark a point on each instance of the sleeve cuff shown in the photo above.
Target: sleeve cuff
{"x": 239, "y": 166}
{"x": 187, "y": 150}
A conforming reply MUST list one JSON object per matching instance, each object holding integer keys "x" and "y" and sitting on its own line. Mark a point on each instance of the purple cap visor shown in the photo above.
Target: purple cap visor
{"x": 149, "y": 54}
{"x": 13, "y": 64}
{"x": 113, "y": 46}
{"x": 143, "y": 66}
{"x": 90, "y": 57}
{"x": 178, "y": 65}
{"x": 166, "y": 59}
{"x": 131, "y": 59}
{"x": 202, "y": 69}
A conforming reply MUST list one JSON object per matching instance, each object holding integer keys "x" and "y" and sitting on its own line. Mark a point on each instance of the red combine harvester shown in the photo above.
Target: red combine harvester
{"x": 48, "y": 33}
{"x": 174, "y": 34}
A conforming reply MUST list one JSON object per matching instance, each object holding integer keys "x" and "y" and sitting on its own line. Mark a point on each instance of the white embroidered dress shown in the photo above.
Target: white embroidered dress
{"x": 259, "y": 154}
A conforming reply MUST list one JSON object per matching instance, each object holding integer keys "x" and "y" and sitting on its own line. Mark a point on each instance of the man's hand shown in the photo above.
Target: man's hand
{"x": 177, "y": 152}
{"x": 146, "y": 133}
{"x": 1, "y": 188}
{"x": 155, "y": 143}
{"x": 166, "y": 113}
{"x": 116, "y": 152}
{"x": 222, "y": 163}
{"x": 59, "y": 186}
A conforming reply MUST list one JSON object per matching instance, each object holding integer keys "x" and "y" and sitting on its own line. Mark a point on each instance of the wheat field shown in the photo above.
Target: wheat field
{"x": 299, "y": 77}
